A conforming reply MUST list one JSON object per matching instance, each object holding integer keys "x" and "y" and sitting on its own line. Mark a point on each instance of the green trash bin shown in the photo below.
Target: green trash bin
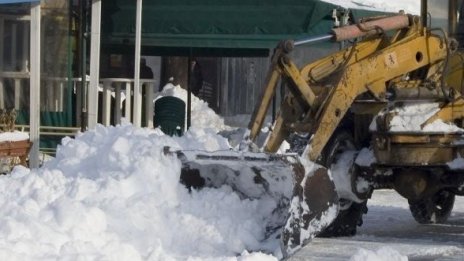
{"x": 169, "y": 115}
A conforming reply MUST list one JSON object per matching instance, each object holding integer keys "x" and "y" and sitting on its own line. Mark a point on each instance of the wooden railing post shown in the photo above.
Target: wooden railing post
{"x": 149, "y": 95}
{"x": 128, "y": 100}
{"x": 2, "y": 97}
{"x": 17, "y": 88}
{"x": 106, "y": 103}
{"x": 60, "y": 95}
{"x": 117, "y": 103}
{"x": 78, "y": 92}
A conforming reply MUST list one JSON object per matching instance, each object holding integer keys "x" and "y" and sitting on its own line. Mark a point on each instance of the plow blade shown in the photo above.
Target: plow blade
{"x": 313, "y": 207}
{"x": 306, "y": 200}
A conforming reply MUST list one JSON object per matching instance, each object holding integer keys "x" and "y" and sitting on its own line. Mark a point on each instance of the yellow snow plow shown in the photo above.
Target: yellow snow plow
{"x": 333, "y": 102}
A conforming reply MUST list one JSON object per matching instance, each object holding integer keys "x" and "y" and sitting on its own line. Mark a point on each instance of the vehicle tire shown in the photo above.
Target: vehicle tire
{"x": 350, "y": 214}
{"x": 433, "y": 210}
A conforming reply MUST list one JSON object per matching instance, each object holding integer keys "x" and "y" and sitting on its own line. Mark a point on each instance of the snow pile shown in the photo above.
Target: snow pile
{"x": 411, "y": 117}
{"x": 382, "y": 254}
{"x": 394, "y": 6}
{"x": 202, "y": 115}
{"x": 112, "y": 194}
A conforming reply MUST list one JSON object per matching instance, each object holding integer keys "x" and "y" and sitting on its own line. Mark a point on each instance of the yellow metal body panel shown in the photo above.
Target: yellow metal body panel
{"x": 455, "y": 75}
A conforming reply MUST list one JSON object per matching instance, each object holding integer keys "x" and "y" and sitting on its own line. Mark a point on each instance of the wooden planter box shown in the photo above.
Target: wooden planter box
{"x": 20, "y": 149}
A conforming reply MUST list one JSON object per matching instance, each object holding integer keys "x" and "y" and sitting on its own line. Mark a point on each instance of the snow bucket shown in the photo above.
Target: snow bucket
{"x": 170, "y": 115}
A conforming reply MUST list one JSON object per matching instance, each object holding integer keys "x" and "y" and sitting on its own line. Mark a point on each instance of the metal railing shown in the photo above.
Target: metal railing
{"x": 121, "y": 90}
{"x": 19, "y": 81}
{"x": 114, "y": 92}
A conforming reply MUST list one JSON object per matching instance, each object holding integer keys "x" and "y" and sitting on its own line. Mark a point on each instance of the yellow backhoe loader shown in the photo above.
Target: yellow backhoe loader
{"x": 384, "y": 112}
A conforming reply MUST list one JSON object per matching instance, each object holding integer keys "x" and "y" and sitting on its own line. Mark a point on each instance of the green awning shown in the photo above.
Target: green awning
{"x": 223, "y": 24}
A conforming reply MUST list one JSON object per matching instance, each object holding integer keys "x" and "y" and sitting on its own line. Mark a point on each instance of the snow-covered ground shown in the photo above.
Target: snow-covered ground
{"x": 389, "y": 233}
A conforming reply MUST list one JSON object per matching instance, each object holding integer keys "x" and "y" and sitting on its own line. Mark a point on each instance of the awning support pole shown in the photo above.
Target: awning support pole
{"x": 94, "y": 65}
{"x": 137, "y": 90}
{"x": 189, "y": 91}
{"x": 34, "y": 103}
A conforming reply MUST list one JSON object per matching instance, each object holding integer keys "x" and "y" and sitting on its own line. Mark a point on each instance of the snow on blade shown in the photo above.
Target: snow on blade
{"x": 313, "y": 207}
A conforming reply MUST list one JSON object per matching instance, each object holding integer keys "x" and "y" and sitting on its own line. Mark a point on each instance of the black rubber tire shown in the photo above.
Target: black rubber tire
{"x": 433, "y": 210}
{"x": 348, "y": 219}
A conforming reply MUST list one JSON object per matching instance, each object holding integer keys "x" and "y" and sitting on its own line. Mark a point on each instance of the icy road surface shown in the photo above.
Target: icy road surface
{"x": 390, "y": 224}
